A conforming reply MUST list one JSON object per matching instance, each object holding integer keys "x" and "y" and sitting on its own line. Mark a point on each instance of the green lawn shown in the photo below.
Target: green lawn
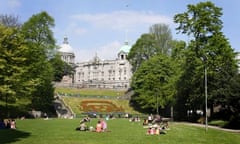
{"x": 62, "y": 131}
{"x": 93, "y": 92}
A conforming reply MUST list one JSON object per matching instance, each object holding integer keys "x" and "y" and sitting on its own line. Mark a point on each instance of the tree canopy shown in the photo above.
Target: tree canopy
{"x": 26, "y": 70}
{"x": 202, "y": 23}
{"x": 153, "y": 82}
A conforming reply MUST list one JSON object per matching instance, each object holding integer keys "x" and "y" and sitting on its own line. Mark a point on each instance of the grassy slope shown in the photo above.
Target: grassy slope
{"x": 62, "y": 131}
{"x": 98, "y": 92}
{"x": 74, "y": 102}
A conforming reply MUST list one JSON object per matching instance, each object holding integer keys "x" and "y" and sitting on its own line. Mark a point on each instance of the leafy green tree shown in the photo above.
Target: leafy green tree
{"x": 154, "y": 82}
{"x": 233, "y": 103}
{"x": 157, "y": 41}
{"x": 202, "y": 22}
{"x": 61, "y": 68}
{"x": 13, "y": 67}
{"x": 143, "y": 49}
{"x": 40, "y": 40}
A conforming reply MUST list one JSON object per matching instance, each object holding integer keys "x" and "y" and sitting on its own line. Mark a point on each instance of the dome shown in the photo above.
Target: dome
{"x": 126, "y": 48}
{"x": 65, "y": 47}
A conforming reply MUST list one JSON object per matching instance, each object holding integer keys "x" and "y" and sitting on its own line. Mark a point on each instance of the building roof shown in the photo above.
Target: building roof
{"x": 65, "y": 47}
{"x": 125, "y": 48}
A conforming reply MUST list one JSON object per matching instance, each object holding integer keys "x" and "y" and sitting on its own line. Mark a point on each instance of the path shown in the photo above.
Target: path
{"x": 213, "y": 127}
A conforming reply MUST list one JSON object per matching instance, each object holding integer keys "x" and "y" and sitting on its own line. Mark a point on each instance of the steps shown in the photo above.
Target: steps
{"x": 62, "y": 110}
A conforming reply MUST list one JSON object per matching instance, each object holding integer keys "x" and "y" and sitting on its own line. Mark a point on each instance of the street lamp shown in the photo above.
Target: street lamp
{"x": 157, "y": 108}
{"x": 204, "y": 59}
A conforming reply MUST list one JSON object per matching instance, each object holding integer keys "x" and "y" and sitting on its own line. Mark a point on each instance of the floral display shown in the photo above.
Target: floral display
{"x": 99, "y": 106}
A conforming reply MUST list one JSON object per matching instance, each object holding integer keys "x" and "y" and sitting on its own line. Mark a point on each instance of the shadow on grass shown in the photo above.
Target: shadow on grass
{"x": 8, "y": 136}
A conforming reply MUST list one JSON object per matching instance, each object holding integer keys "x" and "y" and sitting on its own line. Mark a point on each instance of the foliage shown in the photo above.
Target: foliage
{"x": 208, "y": 50}
{"x": 39, "y": 38}
{"x": 144, "y": 49}
{"x": 148, "y": 71}
{"x": 200, "y": 21}
{"x": 61, "y": 68}
{"x": 163, "y": 37}
{"x": 157, "y": 41}
{"x": 13, "y": 67}
{"x": 154, "y": 82}
{"x": 121, "y": 131}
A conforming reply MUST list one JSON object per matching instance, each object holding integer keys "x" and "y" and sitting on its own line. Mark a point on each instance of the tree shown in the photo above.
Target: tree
{"x": 40, "y": 40}
{"x": 202, "y": 22}
{"x": 157, "y": 41}
{"x": 154, "y": 82}
{"x": 142, "y": 50}
{"x": 163, "y": 36}
{"x": 10, "y": 21}
{"x": 61, "y": 68}
{"x": 13, "y": 67}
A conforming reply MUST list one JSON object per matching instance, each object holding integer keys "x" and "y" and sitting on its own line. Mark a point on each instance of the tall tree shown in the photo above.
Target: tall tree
{"x": 163, "y": 37}
{"x": 13, "y": 67}
{"x": 40, "y": 40}
{"x": 202, "y": 22}
{"x": 157, "y": 41}
{"x": 143, "y": 49}
{"x": 154, "y": 82}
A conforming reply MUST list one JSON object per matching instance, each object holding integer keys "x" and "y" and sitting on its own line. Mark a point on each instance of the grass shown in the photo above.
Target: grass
{"x": 219, "y": 123}
{"x": 62, "y": 131}
{"x": 94, "y": 92}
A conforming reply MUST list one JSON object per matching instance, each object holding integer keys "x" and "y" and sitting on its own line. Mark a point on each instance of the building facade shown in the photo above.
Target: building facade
{"x": 97, "y": 73}
{"x": 67, "y": 54}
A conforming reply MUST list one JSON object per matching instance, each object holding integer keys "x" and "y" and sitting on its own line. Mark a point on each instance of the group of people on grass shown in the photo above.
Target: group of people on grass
{"x": 8, "y": 124}
{"x": 156, "y": 130}
{"x": 154, "y": 125}
{"x": 101, "y": 125}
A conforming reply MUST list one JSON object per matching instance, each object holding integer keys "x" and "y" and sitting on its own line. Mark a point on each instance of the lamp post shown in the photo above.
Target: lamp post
{"x": 157, "y": 104}
{"x": 204, "y": 59}
{"x": 206, "y": 95}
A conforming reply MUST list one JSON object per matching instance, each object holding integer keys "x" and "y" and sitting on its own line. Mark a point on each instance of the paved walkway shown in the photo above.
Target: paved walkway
{"x": 213, "y": 127}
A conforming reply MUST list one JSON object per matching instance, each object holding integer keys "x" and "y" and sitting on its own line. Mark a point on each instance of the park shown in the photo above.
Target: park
{"x": 120, "y": 130}
{"x": 55, "y": 131}
{"x": 159, "y": 90}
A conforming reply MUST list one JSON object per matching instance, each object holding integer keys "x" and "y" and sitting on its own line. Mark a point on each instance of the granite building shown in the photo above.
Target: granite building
{"x": 98, "y": 73}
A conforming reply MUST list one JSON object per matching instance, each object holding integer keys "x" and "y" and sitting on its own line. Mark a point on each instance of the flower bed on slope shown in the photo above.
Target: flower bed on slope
{"x": 99, "y": 106}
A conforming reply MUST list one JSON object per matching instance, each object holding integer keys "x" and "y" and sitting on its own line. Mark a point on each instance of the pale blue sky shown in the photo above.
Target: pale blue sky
{"x": 100, "y": 26}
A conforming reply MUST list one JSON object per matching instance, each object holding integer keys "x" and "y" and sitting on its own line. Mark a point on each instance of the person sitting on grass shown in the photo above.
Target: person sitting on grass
{"x": 99, "y": 126}
{"x": 104, "y": 125}
{"x": 83, "y": 126}
{"x": 13, "y": 124}
{"x": 2, "y": 124}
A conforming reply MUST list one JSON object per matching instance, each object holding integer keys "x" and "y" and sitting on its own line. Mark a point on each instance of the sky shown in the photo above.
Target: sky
{"x": 100, "y": 27}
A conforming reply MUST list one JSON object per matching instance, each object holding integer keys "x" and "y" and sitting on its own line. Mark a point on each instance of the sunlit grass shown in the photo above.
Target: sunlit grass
{"x": 94, "y": 92}
{"x": 62, "y": 131}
